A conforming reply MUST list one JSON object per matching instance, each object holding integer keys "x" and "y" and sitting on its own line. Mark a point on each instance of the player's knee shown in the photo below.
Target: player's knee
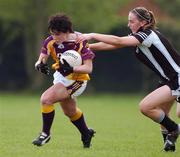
{"x": 45, "y": 100}
{"x": 143, "y": 108}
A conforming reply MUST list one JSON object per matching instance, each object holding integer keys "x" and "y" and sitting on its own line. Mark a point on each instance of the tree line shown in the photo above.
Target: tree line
{"x": 24, "y": 26}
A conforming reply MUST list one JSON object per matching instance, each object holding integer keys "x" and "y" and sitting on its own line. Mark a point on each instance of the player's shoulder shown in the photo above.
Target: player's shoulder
{"x": 147, "y": 31}
{"x": 77, "y": 33}
{"x": 141, "y": 35}
{"x": 144, "y": 33}
{"x": 73, "y": 36}
{"x": 48, "y": 40}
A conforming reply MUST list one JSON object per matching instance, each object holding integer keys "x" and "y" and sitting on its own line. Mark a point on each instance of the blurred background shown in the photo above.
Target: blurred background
{"x": 23, "y": 27}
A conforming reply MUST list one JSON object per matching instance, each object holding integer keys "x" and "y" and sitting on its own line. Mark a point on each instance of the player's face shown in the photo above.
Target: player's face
{"x": 59, "y": 37}
{"x": 134, "y": 23}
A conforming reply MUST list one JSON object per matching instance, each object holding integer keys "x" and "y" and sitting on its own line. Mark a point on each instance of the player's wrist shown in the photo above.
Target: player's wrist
{"x": 37, "y": 63}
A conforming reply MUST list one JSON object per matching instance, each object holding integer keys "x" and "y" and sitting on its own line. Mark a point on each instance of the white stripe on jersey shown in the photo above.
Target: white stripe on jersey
{"x": 142, "y": 35}
{"x": 159, "y": 45}
{"x": 149, "y": 55}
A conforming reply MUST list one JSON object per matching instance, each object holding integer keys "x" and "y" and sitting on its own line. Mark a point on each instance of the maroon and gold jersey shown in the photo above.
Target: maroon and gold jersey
{"x": 51, "y": 48}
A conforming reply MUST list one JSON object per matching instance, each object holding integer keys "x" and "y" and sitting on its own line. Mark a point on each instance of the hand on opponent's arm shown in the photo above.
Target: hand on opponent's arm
{"x": 83, "y": 37}
{"x": 108, "y": 42}
{"x": 94, "y": 46}
{"x": 108, "y": 39}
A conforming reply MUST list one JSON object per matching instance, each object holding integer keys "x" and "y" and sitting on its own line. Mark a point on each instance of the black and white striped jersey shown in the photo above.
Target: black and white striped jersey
{"x": 157, "y": 53}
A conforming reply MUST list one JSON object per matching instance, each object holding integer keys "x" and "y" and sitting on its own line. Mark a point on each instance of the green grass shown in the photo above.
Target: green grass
{"x": 122, "y": 131}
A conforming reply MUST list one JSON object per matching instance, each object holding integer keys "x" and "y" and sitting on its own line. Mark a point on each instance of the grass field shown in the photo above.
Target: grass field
{"x": 121, "y": 130}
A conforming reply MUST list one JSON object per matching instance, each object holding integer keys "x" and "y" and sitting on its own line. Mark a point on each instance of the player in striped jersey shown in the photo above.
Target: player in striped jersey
{"x": 156, "y": 52}
{"x": 69, "y": 82}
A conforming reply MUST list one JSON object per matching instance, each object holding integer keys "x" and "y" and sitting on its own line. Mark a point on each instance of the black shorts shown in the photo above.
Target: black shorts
{"x": 171, "y": 85}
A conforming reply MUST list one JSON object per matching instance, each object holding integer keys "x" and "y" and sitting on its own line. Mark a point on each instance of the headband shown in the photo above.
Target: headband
{"x": 141, "y": 16}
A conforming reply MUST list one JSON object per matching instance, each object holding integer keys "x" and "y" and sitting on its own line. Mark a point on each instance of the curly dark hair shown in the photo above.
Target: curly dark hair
{"x": 60, "y": 23}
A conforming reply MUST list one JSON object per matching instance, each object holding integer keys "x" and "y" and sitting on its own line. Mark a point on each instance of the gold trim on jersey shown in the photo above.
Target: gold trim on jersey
{"x": 80, "y": 47}
{"x": 52, "y": 52}
{"x": 73, "y": 76}
{"x": 79, "y": 77}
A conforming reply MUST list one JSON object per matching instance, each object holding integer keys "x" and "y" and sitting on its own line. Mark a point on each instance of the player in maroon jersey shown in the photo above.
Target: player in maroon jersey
{"x": 69, "y": 82}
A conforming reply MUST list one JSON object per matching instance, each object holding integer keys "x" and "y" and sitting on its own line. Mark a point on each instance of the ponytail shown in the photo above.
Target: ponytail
{"x": 152, "y": 22}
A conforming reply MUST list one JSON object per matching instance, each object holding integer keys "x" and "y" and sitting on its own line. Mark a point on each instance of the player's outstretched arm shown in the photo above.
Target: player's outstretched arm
{"x": 111, "y": 41}
{"x": 100, "y": 46}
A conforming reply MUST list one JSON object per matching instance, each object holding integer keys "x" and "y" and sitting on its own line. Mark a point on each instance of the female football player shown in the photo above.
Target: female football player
{"x": 155, "y": 51}
{"x": 69, "y": 82}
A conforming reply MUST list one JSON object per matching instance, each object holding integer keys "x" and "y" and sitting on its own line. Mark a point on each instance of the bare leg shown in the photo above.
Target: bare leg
{"x": 52, "y": 95}
{"x": 178, "y": 109}
{"x": 155, "y": 106}
{"x": 151, "y": 105}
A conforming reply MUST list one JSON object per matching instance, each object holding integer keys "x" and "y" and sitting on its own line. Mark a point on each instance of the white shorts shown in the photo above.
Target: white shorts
{"x": 74, "y": 87}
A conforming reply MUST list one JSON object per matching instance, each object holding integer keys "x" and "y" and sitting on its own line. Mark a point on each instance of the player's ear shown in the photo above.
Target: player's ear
{"x": 143, "y": 23}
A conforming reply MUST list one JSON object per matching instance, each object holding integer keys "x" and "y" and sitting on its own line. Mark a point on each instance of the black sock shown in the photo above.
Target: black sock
{"x": 81, "y": 125}
{"x": 169, "y": 124}
{"x": 47, "y": 121}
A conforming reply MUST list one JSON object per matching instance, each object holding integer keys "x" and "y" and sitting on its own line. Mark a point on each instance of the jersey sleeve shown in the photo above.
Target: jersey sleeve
{"x": 141, "y": 35}
{"x": 44, "y": 48}
{"x": 86, "y": 53}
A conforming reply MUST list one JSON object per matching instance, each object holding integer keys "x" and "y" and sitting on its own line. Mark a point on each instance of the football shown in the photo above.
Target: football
{"x": 72, "y": 57}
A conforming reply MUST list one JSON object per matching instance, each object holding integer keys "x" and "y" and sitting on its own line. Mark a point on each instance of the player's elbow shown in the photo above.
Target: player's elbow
{"x": 89, "y": 71}
{"x": 83, "y": 70}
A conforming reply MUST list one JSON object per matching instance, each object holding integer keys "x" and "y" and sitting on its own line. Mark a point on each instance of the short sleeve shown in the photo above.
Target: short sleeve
{"x": 44, "y": 48}
{"x": 141, "y": 35}
{"x": 86, "y": 53}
